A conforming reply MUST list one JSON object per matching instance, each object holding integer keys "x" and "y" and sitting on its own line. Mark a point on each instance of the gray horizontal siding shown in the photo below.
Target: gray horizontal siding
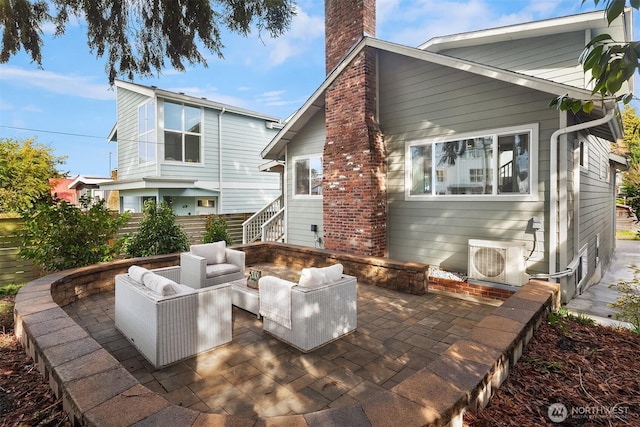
{"x": 415, "y": 106}
{"x": 302, "y": 213}
{"x": 552, "y": 57}
{"x": 127, "y": 111}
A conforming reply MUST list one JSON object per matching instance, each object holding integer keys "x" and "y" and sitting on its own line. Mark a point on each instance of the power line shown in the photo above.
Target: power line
{"x": 54, "y": 132}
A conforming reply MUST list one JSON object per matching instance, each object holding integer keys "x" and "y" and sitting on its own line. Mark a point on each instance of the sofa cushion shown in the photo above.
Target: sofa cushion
{"x": 215, "y": 270}
{"x": 137, "y": 273}
{"x": 214, "y": 253}
{"x": 160, "y": 285}
{"x": 316, "y": 276}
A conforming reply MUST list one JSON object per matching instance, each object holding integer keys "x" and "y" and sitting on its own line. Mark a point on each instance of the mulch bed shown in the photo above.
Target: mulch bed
{"x": 25, "y": 398}
{"x": 593, "y": 371}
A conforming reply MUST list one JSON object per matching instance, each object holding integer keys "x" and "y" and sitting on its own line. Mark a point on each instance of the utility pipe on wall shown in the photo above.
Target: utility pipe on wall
{"x": 553, "y": 185}
{"x": 224, "y": 110}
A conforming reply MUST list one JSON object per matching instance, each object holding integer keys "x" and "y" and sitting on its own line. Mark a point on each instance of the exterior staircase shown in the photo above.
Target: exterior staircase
{"x": 266, "y": 225}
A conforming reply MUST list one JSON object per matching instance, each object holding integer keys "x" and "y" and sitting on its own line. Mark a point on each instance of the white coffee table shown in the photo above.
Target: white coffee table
{"x": 245, "y": 297}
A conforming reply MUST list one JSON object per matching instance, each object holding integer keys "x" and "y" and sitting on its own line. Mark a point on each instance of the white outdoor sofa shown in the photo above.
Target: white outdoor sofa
{"x": 168, "y": 328}
{"x": 321, "y": 311}
{"x": 211, "y": 264}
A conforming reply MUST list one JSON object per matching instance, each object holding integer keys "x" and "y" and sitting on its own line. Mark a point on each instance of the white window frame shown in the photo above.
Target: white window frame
{"x": 183, "y": 133}
{"x": 148, "y": 131}
{"x": 294, "y": 177}
{"x": 531, "y": 128}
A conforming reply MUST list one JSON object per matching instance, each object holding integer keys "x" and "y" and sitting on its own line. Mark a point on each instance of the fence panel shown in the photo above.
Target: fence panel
{"x": 14, "y": 269}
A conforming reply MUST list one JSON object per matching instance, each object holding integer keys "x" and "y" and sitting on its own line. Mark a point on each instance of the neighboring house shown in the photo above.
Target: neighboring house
{"x": 60, "y": 189}
{"x": 420, "y": 150}
{"x": 88, "y": 185}
{"x": 200, "y": 155}
{"x": 72, "y": 189}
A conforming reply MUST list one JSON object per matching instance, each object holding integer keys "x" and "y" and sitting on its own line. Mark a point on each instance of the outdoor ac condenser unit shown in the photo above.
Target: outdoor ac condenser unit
{"x": 497, "y": 262}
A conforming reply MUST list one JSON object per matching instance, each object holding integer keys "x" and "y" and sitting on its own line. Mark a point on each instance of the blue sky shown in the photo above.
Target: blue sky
{"x": 69, "y": 105}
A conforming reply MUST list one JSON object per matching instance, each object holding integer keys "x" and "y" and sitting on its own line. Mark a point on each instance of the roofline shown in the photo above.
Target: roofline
{"x": 528, "y": 29}
{"x": 534, "y": 83}
{"x": 153, "y": 91}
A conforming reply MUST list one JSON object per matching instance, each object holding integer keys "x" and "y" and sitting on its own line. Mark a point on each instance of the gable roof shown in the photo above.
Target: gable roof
{"x": 152, "y": 91}
{"x": 316, "y": 102}
{"x": 594, "y": 21}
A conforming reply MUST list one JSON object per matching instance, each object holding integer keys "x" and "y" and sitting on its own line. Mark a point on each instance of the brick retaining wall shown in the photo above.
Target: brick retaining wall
{"x": 97, "y": 390}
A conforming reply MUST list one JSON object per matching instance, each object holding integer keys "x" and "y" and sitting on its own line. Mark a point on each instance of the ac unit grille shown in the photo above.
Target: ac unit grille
{"x": 490, "y": 262}
{"x": 497, "y": 262}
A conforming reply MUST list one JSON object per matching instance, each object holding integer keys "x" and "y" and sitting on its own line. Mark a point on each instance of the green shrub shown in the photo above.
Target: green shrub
{"x": 629, "y": 303}
{"x": 57, "y": 235}
{"x": 10, "y": 289}
{"x": 158, "y": 233}
{"x": 217, "y": 231}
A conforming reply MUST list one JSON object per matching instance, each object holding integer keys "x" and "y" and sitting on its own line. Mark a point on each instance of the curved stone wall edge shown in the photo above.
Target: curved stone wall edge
{"x": 94, "y": 386}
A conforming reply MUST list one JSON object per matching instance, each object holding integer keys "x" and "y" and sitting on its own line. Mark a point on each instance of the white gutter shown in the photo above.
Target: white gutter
{"x": 553, "y": 187}
{"x": 222, "y": 111}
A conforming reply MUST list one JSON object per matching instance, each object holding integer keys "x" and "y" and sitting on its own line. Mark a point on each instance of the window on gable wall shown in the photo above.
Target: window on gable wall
{"x": 182, "y": 132}
{"x": 147, "y": 132}
{"x": 307, "y": 176}
{"x": 494, "y": 163}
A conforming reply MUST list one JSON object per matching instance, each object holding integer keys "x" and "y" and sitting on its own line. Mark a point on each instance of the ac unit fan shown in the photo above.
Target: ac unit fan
{"x": 497, "y": 262}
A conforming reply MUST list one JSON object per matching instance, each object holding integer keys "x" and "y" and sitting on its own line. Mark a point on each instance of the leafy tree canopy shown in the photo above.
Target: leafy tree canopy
{"x": 136, "y": 36}
{"x": 610, "y": 62}
{"x": 25, "y": 169}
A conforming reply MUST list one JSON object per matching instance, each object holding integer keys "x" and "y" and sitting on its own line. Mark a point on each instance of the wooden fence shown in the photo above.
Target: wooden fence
{"x": 14, "y": 269}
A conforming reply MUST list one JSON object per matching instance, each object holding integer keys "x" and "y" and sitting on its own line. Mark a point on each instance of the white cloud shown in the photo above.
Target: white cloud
{"x": 304, "y": 34}
{"x": 210, "y": 93}
{"x": 64, "y": 84}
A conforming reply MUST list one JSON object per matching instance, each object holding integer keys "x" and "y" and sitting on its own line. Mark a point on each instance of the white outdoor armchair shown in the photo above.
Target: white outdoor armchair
{"x": 168, "y": 322}
{"x": 211, "y": 264}
{"x": 321, "y": 311}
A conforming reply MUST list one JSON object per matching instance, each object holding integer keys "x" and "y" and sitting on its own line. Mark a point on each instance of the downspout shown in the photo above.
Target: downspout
{"x": 553, "y": 190}
{"x": 224, "y": 110}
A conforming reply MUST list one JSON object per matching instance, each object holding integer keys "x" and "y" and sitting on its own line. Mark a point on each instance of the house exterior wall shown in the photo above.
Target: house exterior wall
{"x": 127, "y": 103}
{"x": 597, "y": 207}
{"x": 302, "y": 212}
{"x": 422, "y": 100}
{"x": 532, "y": 56}
{"x": 242, "y": 187}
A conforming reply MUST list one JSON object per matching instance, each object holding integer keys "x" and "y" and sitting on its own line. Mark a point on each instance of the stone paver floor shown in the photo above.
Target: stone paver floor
{"x": 258, "y": 375}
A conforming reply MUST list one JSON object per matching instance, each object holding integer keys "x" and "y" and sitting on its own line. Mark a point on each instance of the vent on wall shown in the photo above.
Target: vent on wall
{"x": 497, "y": 262}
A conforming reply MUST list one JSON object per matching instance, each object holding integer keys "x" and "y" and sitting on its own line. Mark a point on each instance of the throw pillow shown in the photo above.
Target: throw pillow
{"x": 214, "y": 253}
{"x": 160, "y": 285}
{"x": 137, "y": 273}
{"x": 316, "y": 276}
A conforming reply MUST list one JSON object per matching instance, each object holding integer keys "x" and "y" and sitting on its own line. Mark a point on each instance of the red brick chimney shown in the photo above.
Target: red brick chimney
{"x": 354, "y": 159}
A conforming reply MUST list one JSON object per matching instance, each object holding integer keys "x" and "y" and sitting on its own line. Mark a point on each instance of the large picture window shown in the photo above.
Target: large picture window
{"x": 307, "y": 176}
{"x": 182, "y": 132}
{"x": 147, "y": 132}
{"x": 494, "y": 163}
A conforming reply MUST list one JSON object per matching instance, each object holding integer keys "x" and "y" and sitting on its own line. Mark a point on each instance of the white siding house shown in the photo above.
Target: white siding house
{"x": 202, "y": 155}
{"x": 473, "y": 151}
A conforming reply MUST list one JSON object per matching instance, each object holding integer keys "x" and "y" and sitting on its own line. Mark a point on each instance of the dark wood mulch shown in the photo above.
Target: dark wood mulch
{"x": 25, "y": 398}
{"x": 593, "y": 371}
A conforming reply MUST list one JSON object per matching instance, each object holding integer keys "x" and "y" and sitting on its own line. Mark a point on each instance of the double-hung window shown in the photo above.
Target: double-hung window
{"x": 147, "y": 132}
{"x": 307, "y": 176}
{"x": 499, "y": 162}
{"x": 182, "y": 132}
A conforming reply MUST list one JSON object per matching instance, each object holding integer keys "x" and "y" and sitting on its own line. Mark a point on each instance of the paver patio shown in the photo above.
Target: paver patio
{"x": 258, "y": 375}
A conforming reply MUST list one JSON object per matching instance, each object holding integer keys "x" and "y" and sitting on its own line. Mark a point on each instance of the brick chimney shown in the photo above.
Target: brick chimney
{"x": 354, "y": 159}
